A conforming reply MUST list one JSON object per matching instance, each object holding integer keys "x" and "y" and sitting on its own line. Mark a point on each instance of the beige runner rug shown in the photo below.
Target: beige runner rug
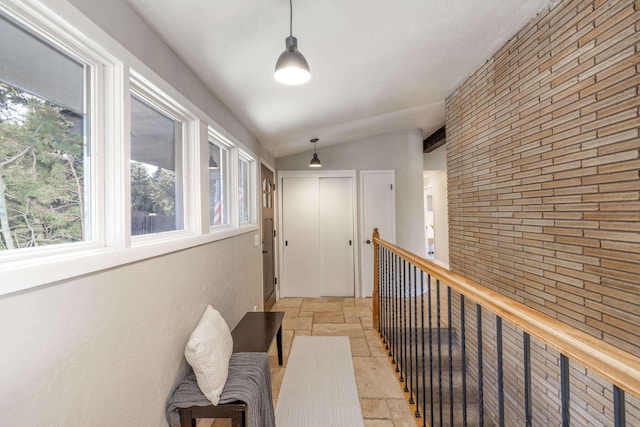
{"x": 319, "y": 386}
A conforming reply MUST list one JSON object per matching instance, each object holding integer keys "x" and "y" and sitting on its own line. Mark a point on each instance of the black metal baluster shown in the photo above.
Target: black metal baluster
{"x": 415, "y": 382}
{"x": 394, "y": 351}
{"x": 450, "y": 345}
{"x": 383, "y": 290}
{"x": 379, "y": 284}
{"x": 439, "y": 325}
{"x": 564, "y": 389}
{"x": 500, "y": 370}
{"x": 463, "y": 342}
{"x": 403, "y": 322}
{"x": 480, "y": 363}
{"x": 430, "y": 349}
{"x": 619, "y": 412}
{"x": 386, "y": 300}
{"x": 424, "y": 368}
{"x": 528, "y": 413}
{"x": 410, "y": 377}
{"x": 383, "y": 295}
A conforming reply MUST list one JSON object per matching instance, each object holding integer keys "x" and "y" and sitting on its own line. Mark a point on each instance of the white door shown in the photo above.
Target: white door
{"x": 378, "y": 211}
{"x": 336, "y": 237}
{"x": 301, "y": 237}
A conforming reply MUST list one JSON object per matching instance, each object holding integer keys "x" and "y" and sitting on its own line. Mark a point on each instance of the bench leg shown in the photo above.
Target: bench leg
{"x": 186, "y": 420}
{"x": 238, "y": 419}
{"x": 279, "y": 344}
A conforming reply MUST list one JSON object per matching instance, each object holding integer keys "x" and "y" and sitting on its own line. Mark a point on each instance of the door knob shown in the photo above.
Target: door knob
{"x": 368, "y": 242}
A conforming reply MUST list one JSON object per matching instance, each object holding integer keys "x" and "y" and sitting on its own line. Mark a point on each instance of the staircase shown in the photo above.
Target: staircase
{"x": 443, "y": 395}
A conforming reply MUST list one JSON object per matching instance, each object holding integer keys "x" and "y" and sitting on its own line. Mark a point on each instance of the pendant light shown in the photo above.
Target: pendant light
{"x": 291, "y": 67}
{"x": 315, "y": 162}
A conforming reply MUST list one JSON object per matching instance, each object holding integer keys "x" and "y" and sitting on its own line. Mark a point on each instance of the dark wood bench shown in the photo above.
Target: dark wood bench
{"x": 254, "y": 333}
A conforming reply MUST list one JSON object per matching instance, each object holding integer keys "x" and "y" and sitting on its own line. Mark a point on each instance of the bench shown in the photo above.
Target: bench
{"x": 254, "y": 333}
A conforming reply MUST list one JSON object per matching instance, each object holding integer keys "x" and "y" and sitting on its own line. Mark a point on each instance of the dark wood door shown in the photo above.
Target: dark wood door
{"x": 268, "y": 229}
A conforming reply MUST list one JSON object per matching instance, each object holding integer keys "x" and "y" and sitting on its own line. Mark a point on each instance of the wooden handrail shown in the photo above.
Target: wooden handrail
{"x": 617, "y": 366}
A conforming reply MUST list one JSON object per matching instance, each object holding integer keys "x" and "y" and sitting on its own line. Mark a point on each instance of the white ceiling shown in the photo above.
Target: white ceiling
{"x": 376, "y": 65}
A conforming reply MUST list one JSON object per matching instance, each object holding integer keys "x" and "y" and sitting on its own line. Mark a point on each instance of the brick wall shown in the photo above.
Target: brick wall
{"x": 543, "y": 173}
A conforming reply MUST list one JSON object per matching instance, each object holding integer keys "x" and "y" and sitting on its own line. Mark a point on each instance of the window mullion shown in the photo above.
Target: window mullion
{"x": 116, "y": 153}
{"x": 234, "y": 208}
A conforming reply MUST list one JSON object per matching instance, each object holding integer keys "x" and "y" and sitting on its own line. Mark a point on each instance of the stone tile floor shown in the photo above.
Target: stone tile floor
{"x": 381, "y": 398}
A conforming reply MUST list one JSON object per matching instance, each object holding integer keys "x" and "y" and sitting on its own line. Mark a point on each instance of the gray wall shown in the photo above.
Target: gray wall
{"x": 106, "y": 349}
{"x": 401, "y": 151}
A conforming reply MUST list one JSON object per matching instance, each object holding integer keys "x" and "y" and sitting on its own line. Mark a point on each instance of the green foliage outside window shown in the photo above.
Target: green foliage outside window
{"x": 42, "y": 195}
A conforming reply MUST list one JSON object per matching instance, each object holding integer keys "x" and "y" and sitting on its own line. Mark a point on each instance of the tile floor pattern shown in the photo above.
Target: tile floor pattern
{"x": 381, "y": 398}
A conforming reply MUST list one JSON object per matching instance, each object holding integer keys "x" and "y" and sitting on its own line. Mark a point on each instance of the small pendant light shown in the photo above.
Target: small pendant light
{"x": 315, "y": 162}
{"x": 292, "y": 68}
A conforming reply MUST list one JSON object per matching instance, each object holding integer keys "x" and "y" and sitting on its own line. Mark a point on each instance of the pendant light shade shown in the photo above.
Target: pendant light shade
{"x": 292, "y": 68}
{"x": 315, "y": 161}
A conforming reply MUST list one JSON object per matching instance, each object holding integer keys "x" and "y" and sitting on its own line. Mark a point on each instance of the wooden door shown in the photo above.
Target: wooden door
{"x": 268, "y": 259}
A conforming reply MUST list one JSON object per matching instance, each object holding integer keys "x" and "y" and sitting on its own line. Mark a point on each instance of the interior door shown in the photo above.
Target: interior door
{"x": 268, "y": 259}
{"x": 378, "y": 211}
{"x": 300, "y": 237}
{"x": 336, "y": 237}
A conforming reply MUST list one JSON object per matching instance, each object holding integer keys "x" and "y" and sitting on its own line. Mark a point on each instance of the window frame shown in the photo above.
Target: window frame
{"x": 244, "y": 156}
{"x": 99, "y": 69}
{"x": 113, "y": 68}
{"x": 165, "y": 105}
{"x": 226, "y": 148}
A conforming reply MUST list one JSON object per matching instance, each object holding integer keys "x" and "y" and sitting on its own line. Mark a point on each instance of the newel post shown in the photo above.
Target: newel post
{"x": 374, "y": 239}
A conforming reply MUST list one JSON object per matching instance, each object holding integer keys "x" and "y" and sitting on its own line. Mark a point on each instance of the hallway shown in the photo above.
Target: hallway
{"x": 381, "y": 398}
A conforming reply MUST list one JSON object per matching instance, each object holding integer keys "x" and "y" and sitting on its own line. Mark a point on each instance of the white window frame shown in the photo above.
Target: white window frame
{"x": 102, "y": 72}
{"x": 162, "y": 103}
{"x": 112, "y": 70}
{"x": 225, "y": 147}
{"x": 245, "y": 156}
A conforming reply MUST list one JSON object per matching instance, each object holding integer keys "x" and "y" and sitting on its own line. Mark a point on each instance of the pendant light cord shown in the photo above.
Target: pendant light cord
{"x": 291, "y": 18}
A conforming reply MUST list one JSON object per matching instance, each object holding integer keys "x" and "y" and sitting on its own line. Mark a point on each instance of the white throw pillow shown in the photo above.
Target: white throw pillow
{"x": 208, "y": 352}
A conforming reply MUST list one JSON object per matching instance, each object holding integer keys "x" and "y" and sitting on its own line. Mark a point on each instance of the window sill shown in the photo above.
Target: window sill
{"x": 45, "y": 270}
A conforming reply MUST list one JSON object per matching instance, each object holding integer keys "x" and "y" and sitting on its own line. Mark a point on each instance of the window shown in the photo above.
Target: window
{"x": 66, "y": 157}
{"x": 156, "y": 169}
{"x": 218, "y": 168}
{"x": 245, "y": 187}
{"x": 45, "y": 164}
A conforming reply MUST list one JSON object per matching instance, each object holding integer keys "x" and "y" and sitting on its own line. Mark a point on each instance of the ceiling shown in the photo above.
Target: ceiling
{"x": 376, "y": 65}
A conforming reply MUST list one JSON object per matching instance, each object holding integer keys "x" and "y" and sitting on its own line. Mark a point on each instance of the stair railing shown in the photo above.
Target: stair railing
{"x": 407, "y": 312}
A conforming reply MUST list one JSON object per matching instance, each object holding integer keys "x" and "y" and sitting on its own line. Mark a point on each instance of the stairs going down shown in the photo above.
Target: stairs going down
{"x": 434, "y": 385}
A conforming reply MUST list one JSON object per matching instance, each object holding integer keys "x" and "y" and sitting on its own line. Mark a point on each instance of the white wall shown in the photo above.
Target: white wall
{"x": 122, "y": 23}
{"x": 106, "y": 349}
{"x": 435, "y": 166}
{"x": 402, "y": 151}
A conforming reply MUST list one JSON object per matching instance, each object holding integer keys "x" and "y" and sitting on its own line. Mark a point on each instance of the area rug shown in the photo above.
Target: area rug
{"x": 319, "y": 386}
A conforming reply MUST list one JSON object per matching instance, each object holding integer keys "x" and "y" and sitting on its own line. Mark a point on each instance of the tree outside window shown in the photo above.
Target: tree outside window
{"x": 42, "y": 162}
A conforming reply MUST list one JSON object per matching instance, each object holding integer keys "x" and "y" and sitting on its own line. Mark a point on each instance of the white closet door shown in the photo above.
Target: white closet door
{"x": 378, "y": 211}
{"x": 301, "y": 237}
{"x": 336, "y": 237}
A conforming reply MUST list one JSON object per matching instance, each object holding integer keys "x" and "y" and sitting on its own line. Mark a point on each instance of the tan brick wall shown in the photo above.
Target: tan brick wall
{"x": 544, "y": 175}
